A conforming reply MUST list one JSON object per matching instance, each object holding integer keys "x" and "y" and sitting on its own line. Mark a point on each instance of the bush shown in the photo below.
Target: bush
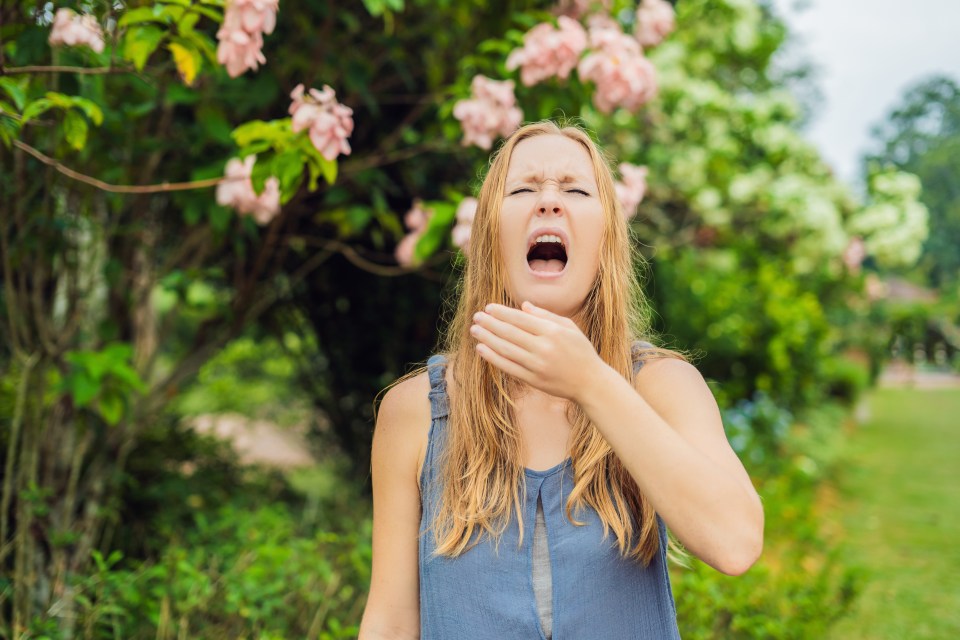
{"x": 800, "y": 585}
{"x": 235, "y": 573}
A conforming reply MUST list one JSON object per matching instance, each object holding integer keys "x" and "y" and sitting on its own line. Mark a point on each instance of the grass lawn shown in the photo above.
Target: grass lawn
{"x": 900, "y": 507}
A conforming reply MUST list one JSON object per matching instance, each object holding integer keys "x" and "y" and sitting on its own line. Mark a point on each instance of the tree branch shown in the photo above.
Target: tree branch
{"x": 93, "y": 71}
{"x": 163, "y": 187}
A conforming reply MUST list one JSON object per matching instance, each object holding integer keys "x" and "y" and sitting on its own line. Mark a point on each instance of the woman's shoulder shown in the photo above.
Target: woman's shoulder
{"x": 405, "y": 400}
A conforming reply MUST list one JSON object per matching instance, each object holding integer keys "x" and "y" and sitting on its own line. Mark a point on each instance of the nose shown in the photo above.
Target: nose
{"x": 549, "y": 202}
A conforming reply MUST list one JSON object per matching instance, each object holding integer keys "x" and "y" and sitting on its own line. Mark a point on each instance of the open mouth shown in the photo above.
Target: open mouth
{"x": 547, "y": 254}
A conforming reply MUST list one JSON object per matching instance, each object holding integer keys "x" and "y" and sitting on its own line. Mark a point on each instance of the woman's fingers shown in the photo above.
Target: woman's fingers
{"x": 504, "y": 364}
{"x": 505, "y": 330}
{"x": 503, "y": 346}
{"x": 526, "y": 321}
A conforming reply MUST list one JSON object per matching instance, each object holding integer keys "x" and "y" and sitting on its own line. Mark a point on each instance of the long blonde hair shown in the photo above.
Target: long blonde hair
{"x": 481, "y": 466}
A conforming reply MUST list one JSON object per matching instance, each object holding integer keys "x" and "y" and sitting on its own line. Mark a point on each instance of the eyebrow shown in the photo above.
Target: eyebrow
{"x": 537, "y": 176}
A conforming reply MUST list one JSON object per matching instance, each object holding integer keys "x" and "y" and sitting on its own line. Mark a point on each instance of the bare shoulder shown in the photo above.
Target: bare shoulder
{"x": 403, "y": 424}
{"x": 672, "y": 385}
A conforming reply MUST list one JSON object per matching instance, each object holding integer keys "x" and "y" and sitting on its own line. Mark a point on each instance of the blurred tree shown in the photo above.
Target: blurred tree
{"x": 922, "y": 135}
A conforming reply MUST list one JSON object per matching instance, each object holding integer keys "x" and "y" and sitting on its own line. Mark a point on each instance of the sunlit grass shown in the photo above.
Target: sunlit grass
{"x": 901, "y": 510}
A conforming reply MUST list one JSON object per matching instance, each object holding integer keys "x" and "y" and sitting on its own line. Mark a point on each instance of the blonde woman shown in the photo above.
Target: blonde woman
{"x": 524, "y": 480}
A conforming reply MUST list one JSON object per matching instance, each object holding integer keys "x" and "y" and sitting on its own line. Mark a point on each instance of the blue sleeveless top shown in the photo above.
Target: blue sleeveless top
{"x": 487, "y": 592}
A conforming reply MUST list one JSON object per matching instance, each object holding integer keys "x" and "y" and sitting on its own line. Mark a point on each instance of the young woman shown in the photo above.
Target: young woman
{"x": 523, "y": 482}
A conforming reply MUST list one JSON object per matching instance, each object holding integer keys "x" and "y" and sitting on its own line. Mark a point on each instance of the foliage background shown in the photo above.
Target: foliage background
{"x": 128, "y": 313}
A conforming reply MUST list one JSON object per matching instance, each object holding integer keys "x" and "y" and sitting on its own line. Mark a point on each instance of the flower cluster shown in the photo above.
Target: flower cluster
{"x": 631, "y": 189}
{"x": 466, "y": 212}
{"x": 549, "y": 51}
{"x": 241, "y": 35}
{"x": 655, "y": 21}
{"x": 236, "y": 191}
{"x": 330, "y": 123}
{"x": 416, "y": 222}
{"x": 616, "y": 64}
{"x": 73, "y": 30}
{"x": 491, "y": 110}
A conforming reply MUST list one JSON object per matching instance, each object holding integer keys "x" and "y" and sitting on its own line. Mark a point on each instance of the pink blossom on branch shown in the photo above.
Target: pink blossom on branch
{"x": 241, "y": 34}
{"x": 655, "y": 21}
{"x": 416, "y": 222}
{"x": 460, "y": 234}
{"x": 617, "y": 66}
{"x": 74, "y": 30}
{"x": 576, "y": 9}
{"x": 549, "y": 51}
{"x": 632, "y": 188}
{"x": 490, "y": 111}
{"x": 330, "y": 123}
{"x": 236, "y": 191}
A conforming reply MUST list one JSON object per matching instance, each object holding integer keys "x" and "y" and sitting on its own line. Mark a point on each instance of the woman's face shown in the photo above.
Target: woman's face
{"x": 551, "y": 223}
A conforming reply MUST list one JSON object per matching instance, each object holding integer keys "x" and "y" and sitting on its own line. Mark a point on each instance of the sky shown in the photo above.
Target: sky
{"x": 868, "y": 52}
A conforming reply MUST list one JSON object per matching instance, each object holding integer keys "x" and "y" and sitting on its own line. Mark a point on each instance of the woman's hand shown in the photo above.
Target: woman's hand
{"x": 540, "y": 348}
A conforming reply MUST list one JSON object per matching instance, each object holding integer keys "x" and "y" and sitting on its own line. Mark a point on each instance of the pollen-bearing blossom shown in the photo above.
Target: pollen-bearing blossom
{"x": 237, "y": 191}
{"x": 460, "y": 234}
{"x": 74, "y": 30}
{"x": 549, "y": 51}
{"x": 631, "y": 189}
{"x": 416, "y": 222}
{"x": 241, "y": 34}
{"x": 616, "y": 64}
{"x": 490, "y": 111}
{"x": 576, "y": 9}
{"x": 655, "y": 21}
{"x": 330, "y": 123}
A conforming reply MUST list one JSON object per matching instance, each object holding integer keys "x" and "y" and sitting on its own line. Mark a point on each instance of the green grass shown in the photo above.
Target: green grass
{"x": 901, "y": 511}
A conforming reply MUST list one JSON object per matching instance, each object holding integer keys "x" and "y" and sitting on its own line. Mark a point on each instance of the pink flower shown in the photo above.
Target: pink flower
{"x": 623, "y": 76}
{"x": 237, "y": 191}
{"x": 74, "y": 30}
{"x": 460, "y": 234}
{"x": 576, "y": 9}
{"x": 549, "y": 52}
{"x": 330, "y": 123}
{"x": 655, "y": 21}
{"x": 241, "y": 34}
{"x": 490, "y": 111}
{"x": 416, "y": 221}
{"x": 631, "y": 190}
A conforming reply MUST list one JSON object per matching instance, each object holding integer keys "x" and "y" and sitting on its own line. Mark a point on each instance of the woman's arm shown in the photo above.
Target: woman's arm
{"x": 393, "y": 606}
{"x": 666, "y": 428}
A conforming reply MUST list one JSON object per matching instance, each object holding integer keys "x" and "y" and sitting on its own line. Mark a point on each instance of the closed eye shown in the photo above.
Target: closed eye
{"x": 520, "y": 190}
{"x": 581, "y": 191}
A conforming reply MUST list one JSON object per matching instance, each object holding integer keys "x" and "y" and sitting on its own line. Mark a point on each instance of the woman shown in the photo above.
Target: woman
{"x": 523, "y": 483}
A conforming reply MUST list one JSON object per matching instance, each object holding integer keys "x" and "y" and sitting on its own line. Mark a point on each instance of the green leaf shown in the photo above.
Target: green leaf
{"x": 288, "y": 167}
{"x": 258, "y": 130}
{"x": 141, "y": 41}
{"x": 141, "y": 15}
{"x": 262, "y": 169}
{"x": 213, "y": 14}
{"x": 83, "y": 388}
{"x": 187, "y": 59}
{"x": 36, "y": 108}
{"x": 438, "y": 228}
{"x": 203, "y": 43}
{"x": 75, "y": 129}
{"x": 188, "y": 21}
{"x": 15, "y": 91}
{"x": 111, "y": 407}
{"x": 90, "y": 108}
